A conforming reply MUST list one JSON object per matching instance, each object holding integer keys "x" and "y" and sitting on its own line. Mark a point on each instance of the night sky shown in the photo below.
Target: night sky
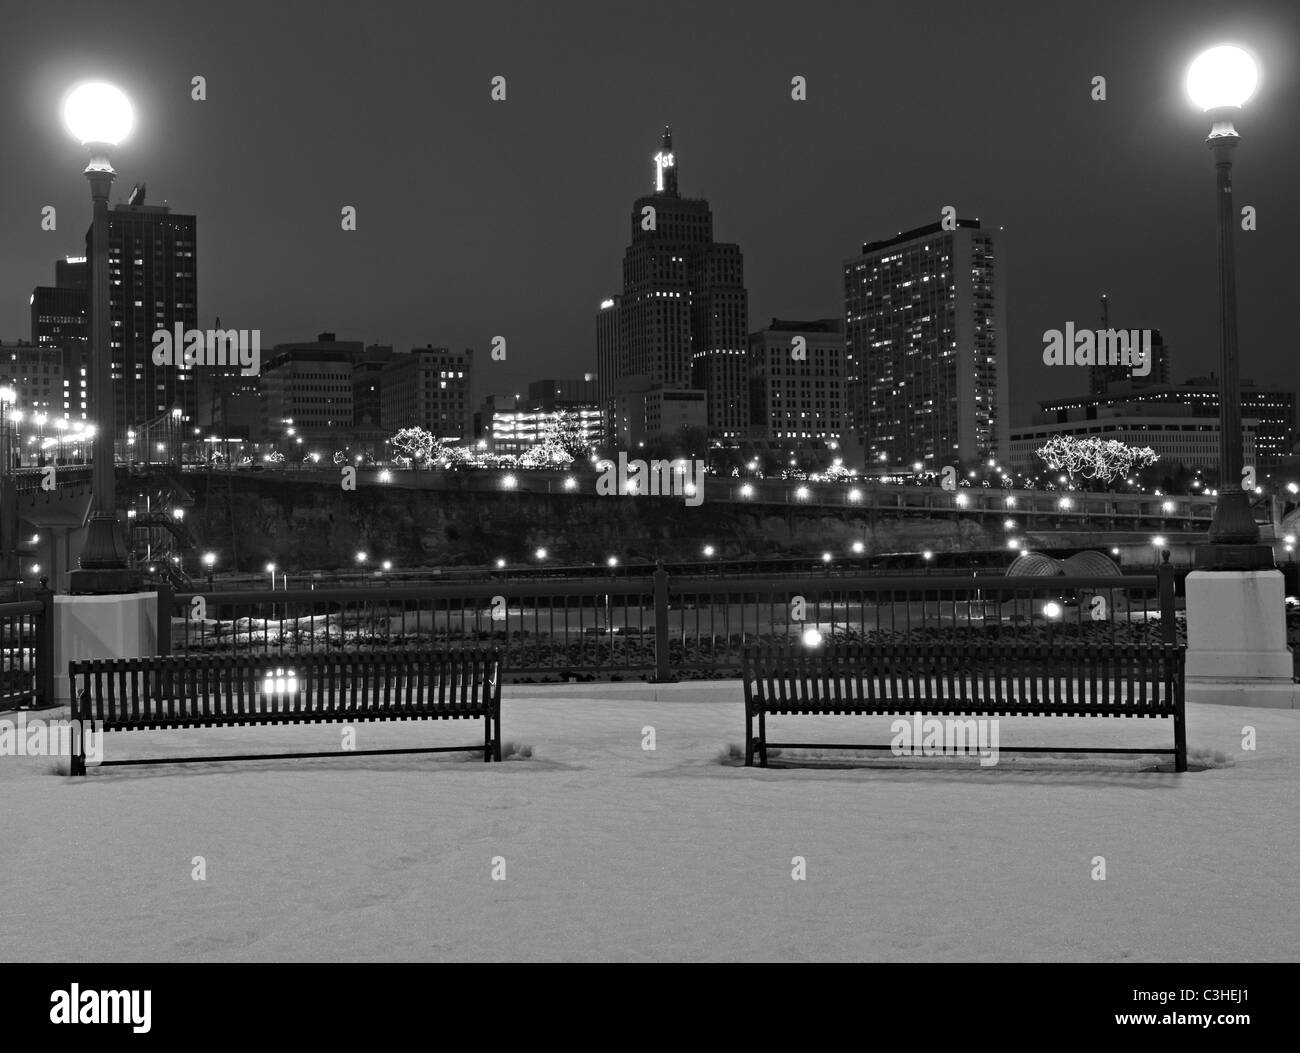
{"x": 477, "y": 218}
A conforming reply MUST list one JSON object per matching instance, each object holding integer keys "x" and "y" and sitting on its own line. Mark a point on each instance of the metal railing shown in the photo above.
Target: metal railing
{"x": 1034, "y": 507}
{"x": 663, "y": 627}
{"x": 27, "y": 651}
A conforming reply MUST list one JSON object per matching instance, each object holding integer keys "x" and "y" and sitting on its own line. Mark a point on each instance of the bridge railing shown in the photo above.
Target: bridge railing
{"x": 663, "y": 627}
{"x": 1035, "y": 507}
{"x": 31, "y": 481}
{"x": 27, "y": 651}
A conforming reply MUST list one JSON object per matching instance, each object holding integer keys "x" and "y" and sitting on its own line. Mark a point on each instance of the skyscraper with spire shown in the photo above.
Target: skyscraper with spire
{"x": 682, "y": 318}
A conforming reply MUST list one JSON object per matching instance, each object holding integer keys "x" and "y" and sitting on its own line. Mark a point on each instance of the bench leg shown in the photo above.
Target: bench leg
{"x": 749, "y": 737}
{"x": 1180, "y": 742}
{"x": 77, "y": 751}
{"x": 762, "y": 739}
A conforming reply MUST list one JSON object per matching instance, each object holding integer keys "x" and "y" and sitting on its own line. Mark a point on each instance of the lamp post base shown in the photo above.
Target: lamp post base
{"x": 112, "y": 581}
{"x": 1213, "y": 556}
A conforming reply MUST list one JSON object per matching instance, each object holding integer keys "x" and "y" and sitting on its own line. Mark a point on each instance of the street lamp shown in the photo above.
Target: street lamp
{"x": 99, "y": 116}
{"x": 209, "y": 561}
{"x": 1220, "y": 81}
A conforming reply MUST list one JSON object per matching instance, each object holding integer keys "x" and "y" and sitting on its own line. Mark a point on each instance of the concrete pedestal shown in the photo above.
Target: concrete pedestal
{"x": 122, "y": 626}
{"x": 1236, "y": 640}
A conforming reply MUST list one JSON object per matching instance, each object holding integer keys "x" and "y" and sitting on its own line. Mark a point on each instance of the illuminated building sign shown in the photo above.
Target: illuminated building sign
{"x": 662, "y": 160}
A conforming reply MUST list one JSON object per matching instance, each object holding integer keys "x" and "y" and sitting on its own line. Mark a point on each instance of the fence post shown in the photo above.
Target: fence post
{"x": 662, "y": 670}
{"x": 1165, "y": 576}
{"x": 166, "y": 601}
{"x": 45, "y": 649}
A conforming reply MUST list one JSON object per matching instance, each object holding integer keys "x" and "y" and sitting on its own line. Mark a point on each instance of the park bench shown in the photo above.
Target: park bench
{"x": 952, "y": 679}
{"x": 203, "y": 691}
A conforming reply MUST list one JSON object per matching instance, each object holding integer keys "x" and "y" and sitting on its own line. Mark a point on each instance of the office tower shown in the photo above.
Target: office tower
{"x": 926, "y": 346}
{"x": 1272, "y": 412}
{"x": 1177, "y": 434}
{"x": 682, "y": 318}
{"x": 367, "y": 386}
{"x": 153, "y": 284}
{"x": 60, "y": 323}
{"x": 72, "y": 272}
{"x": 645, "y": 411}
{"x": 576, "y": 392}
{"x": 429, "y": 388}
{"x": 797, "y": 398}
{"x": 307, "y": 386}
{"x": 36, "y": 375}
{"x": 609, "y": 361}
{"x": 1104, "y": 378}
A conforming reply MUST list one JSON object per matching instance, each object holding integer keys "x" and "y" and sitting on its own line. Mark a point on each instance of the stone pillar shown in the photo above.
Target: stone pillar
{"x": 1236, "y": 640}
{"x": 121, "y": 626}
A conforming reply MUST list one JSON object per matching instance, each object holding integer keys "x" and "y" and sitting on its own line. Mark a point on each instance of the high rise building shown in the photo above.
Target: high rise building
{"x": 60, "y": 323}
{"x": 153, "y": 284}
{"x": 609, "y": 362}
{"x": 801, "y": 398}
{"x": 926, "y": 346}
{"x": 682, "y": 318}
{"x": 229, "y": 402}
{"x": 1104, "y": 378}
{"x": 429, "y": 387}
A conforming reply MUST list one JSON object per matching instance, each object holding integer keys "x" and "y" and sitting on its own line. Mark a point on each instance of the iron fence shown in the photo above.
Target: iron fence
{"x": 27, "y": 651}
{"x": 663, "y": 626}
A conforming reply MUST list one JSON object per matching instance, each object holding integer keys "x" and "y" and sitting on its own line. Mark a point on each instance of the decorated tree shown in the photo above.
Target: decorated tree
{"x": 417, "y": 444}
{"x": 550, "y": 453}
{"x": 1094, "y": 458}
{"x": 837, "y": 473}
{"x": 566, "y": 430}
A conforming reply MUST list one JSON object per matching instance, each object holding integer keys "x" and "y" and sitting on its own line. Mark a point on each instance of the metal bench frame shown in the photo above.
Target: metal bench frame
{"x": 988, "y": 679}
{"x": 196, "y": 691}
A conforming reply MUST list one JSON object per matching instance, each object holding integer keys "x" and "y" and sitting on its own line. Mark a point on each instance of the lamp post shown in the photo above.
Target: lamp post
{"x": 8, "y": 503}
{"x": 100, "y": 117}
{"x": 1220, "y": 81}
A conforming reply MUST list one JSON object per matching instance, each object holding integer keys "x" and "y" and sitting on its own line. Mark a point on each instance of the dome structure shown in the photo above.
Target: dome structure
{"x": 1035, "y": 565}
{"x": 1089, "y": 564}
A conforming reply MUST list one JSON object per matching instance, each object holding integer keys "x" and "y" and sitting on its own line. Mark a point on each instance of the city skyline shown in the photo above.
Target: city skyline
{"x": 1079, "y": 217}
{"x": 831, "y": 470}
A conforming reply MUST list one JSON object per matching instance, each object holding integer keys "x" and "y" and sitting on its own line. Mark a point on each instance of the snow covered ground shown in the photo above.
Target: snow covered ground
{"x": 613, "y": 852}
